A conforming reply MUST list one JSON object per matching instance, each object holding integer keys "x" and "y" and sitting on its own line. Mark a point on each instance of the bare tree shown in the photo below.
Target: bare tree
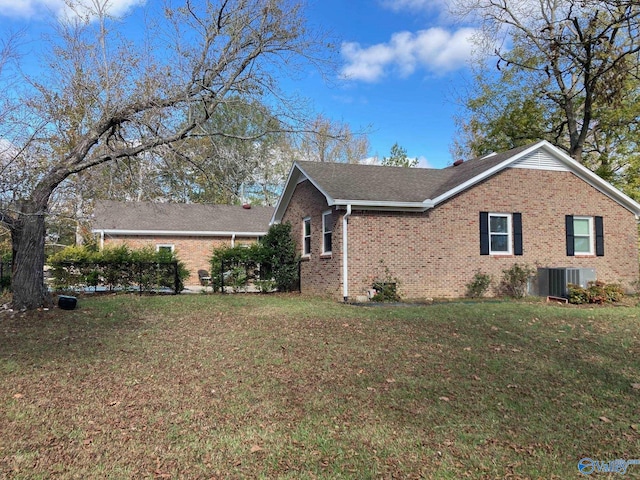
{"x": 330, "y": 141}
{"x": 103, "y": 98}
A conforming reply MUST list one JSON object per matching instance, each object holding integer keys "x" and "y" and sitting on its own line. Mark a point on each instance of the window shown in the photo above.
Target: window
{"x": 585, "y": 235}
{"x": 164, "y": 248}
{"x": 500, "y": 233}
{"x": 306, "y": 237}
{"x": 327, "y": 226}
{"x": 582, "y": 236}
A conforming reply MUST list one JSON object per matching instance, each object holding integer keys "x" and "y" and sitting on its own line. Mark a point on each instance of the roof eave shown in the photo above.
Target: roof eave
{"x": 293, "y": 179}
{"x": 176, "y": 233}
{"x": 384, "y": 205}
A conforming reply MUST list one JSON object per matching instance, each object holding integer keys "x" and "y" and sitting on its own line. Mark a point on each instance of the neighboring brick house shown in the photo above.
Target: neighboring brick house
{"x": 433, "y": 229}
{"x": 191, "y": 230}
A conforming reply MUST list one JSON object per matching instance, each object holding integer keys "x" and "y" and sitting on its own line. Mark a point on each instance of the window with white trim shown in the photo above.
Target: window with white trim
{"x": 327, "y": 232}
{"x": 583, "y": 235}
{"x": 500, "y": 234}
{"x": 165, "y": 248}
{"x": 306, "y": 237}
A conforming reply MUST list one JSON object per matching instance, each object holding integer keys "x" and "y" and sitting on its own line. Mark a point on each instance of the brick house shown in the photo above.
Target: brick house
{"x": 433, "y": 229}
{"x": 191, "y": 230}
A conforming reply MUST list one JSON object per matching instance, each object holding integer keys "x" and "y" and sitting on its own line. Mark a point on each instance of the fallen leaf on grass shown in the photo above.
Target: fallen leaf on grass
{"x": 391, "y": 380}
{"x": 445, "y": 399}
{"x": 18, "y": 395}
{"x": 635, "y": 386}
{"x": 256, "y": 448}
{"x": 605, "y": 419}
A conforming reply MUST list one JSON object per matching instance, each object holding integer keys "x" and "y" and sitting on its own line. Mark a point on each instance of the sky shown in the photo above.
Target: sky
{"x": 402, "y": 65}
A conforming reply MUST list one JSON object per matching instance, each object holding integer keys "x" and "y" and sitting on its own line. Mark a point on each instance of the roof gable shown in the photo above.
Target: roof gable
{"x": 400, "y": 188}
{"x": 179, "y": 218}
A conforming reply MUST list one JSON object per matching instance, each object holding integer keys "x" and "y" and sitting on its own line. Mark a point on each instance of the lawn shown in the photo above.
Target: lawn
{"x": 250, "y": 386}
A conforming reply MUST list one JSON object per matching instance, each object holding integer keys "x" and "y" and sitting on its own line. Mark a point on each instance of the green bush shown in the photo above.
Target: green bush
{"x": 117, "y": 267}
{"x": 385, "y": 285}
{"x": 596, "y": 292}
{"x": 386, "y": 292}
{"x": 479, "y": 285}
{"x": 515, "y": 279}
{"x": 274, "y": 258}
{"x": 279, "y": 257}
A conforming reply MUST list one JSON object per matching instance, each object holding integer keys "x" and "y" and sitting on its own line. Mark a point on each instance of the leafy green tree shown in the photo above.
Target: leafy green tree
{"x": 568, "y": 75}
{"x": 280, "y": 257}
{"x": 398, "y": 158}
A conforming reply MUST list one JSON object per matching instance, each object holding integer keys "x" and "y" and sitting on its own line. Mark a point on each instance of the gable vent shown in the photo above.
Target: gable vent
{"x": 540, "y": 160}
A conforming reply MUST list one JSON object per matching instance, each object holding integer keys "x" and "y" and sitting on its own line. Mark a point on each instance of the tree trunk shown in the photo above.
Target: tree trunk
{"x": 27, "y": 236}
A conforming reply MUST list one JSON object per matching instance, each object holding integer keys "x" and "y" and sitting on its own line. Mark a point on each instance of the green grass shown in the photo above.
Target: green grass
{"x": 248, "y": 386}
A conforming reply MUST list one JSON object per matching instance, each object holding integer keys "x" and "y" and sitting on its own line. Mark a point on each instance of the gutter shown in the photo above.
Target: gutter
{"x": 176, "y": 233}
{"x": 345, "y": 254}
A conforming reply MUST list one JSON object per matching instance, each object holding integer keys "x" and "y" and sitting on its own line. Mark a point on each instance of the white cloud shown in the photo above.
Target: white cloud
{"x": 435, "y": 50}
{"x": 44, "y": 8}
{"x": 414, "y": 5}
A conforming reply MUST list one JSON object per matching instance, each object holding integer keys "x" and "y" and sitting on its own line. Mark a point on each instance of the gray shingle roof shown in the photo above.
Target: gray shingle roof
{"x": 396, "y": 184}
{"x": 180, "y": 217}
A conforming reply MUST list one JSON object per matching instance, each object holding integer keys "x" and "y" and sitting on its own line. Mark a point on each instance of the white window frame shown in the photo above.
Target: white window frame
{"x": 591, "y": 235}
{"x": 509, "y": 234}
{"x": 326, "y": 229}
{"x": 306, "y": 220}
{"x": 170, "y": 246}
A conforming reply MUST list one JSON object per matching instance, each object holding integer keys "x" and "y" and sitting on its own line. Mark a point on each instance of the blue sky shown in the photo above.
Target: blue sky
{"x": 401, "y": 64}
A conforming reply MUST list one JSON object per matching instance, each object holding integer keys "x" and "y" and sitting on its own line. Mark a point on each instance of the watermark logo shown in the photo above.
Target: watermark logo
{"x": 587, "y": 466}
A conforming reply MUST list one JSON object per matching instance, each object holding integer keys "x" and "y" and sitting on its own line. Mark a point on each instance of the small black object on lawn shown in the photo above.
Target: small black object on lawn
{"x": 67, "y": 302}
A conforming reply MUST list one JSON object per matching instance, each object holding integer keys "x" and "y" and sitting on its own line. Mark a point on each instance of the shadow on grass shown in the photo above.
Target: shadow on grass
{"x": 54, "y": 334}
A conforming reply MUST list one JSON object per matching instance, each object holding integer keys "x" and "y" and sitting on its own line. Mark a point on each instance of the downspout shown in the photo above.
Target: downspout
{"x": 233, "y": 240}
{"x": 101, "y": 240}
{"x": 345, "y": 254}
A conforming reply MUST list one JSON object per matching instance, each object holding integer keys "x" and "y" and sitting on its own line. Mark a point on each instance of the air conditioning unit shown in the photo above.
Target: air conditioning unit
{"x": 554, "y": 282}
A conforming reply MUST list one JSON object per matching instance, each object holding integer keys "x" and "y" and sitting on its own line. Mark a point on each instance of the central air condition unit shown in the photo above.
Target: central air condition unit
{"x": 554, "y": 282}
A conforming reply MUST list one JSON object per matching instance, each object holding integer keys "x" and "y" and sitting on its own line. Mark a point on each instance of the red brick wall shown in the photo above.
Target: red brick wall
{"x": 436, "y": 253}
{"x": 195, "y": 252}
{"x": 319, "y": 274}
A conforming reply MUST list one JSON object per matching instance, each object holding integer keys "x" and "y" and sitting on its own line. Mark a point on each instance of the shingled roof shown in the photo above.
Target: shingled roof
{"x": 181, "y": 218}
{"x": 400, "y": 188}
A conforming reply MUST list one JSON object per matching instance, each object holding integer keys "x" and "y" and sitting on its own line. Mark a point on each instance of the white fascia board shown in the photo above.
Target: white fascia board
{"x": 296, "y": 176}
{"x": 175, "y": 233}
{"x": 384, "y": 205}
{"x": 285, "y": 197}
{"x": 580, "y": 170}
{"x": 313, "y": 182}
{"x": 471, "y": 182}
{"x": 595, "y": 180}
{"x": 487, "y": 173}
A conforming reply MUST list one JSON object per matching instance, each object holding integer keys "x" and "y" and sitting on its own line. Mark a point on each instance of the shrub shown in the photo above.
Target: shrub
{"x": 386, "y": 286}
{"x": 596, "y": 292}
{"x": 477, "y": 287}
{"x": 515, "y": 279}
{"x": 265, "y": 286}
{"x": 385, "y": 292}
{"x": 279, "y": 258}
{"x": 116, "y": 267}
{"x": 274, "y": 257}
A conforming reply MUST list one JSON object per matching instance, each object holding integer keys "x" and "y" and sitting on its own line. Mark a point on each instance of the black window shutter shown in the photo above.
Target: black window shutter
{"x": 599, "y": 237}
{"x": 517, "y": 233}
{"x": 484, "y": 233}
{"x": 568, "y": 220}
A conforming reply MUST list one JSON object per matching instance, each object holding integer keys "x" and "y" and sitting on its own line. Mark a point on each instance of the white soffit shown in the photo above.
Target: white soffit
{"x": 540, "y": 160}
